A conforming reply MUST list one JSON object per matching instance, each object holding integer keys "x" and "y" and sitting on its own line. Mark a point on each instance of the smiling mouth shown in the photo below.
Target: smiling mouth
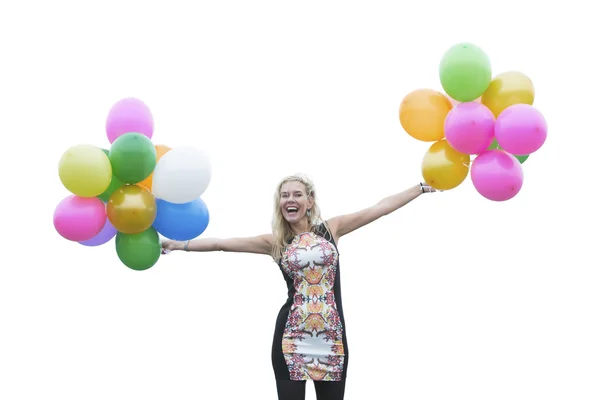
{"x": 292, "y": 210}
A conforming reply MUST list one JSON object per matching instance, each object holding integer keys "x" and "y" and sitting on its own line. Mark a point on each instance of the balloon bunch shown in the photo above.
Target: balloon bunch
{"x": 133, "y": 191}
{"x": 492, "y": 119}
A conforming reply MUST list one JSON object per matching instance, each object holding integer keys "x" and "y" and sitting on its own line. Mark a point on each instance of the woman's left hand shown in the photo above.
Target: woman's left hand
{"x": 425, "y": 188}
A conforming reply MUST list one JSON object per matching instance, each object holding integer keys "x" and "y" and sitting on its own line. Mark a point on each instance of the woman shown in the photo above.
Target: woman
{"x": 310, "y": 336}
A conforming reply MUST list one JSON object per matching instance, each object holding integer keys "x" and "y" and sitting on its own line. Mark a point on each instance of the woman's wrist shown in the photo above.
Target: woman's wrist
{"x": 181, "y": 246}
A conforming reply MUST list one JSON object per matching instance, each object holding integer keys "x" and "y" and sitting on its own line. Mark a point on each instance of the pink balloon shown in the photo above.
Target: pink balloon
{"x": 79, "y": 218}
{"x": 469, "y": 127}
{"x": 497, "y": 175}
{"x": 129, "y": 115}
{"x": 521, "y": 129}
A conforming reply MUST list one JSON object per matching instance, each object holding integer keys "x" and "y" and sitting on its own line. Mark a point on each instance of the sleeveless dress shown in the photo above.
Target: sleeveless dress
{"x": 310, "y": 336}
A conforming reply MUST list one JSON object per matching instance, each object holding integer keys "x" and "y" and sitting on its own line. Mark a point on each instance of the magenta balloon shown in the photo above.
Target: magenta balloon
{"x": 105, "y": 235}
{"x": 129, "y": 115}
{"x": 521, "y": 129}
{"x": 469, "y": 127}
{"x": 497, "y": 175}
{"x": 79, "y": 218}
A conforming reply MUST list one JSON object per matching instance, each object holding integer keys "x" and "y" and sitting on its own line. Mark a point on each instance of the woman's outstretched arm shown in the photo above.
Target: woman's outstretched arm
{"x": 261, "y": 244}
{"x": 344, "y": 224}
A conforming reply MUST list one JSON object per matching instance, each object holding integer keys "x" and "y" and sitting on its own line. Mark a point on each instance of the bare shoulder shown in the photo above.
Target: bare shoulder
{"x": 261, "y": 244}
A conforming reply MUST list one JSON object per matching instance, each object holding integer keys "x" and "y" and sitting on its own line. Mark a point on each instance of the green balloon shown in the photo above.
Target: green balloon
{"x": 115, "y": 183}
{"x": 465, "y": 72}
{"x": 495, "y": 145}
{"x": 522, "y": 158}
{"x": 138, "y": 251}
{"x": 133, "y": 157}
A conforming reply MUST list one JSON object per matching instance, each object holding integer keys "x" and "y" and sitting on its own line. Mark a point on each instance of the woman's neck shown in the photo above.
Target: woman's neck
{"x": 300, "y": 227}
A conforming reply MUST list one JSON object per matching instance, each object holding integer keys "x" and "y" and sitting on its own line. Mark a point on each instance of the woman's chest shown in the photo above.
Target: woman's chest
{"x": 309, "y": 251}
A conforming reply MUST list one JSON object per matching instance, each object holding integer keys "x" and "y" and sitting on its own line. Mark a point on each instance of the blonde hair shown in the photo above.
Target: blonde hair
{"x": 282, "y": 231}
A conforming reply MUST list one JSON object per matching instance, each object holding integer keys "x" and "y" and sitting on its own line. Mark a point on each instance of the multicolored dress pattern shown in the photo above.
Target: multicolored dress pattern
{"x": 312, "y": 341}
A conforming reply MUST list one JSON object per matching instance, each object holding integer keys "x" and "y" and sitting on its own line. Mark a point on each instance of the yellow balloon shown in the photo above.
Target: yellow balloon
{"x": 131, "y": 209}
{"x": 507, "y": 89}
{"x": 85, "y": 170}
{"x": 422, "y": 114}
{"x": 444, "y": 168}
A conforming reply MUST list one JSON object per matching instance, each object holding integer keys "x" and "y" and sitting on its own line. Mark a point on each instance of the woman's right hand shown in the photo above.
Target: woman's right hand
{"x": 170, "y": 245}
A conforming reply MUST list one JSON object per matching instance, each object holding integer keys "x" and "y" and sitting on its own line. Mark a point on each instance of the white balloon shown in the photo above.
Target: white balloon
{"x": 181, "y": 175}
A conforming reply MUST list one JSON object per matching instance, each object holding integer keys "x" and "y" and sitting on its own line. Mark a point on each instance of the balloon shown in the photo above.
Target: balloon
{"x": 106, "y": 234}
{"x": 182, "y": 175}
{"x": 129, "y": 115}
{"x": 422, "y": 114}
{"x": 138, "y": 251}
{"x": 85, "y": 170}
{"x": 495, "y": 145}
{"x": 115, "y": 183}
{"x": 131, "y": 209}
{"x": 521, "y": 129}
{"x": 443, "y": 167}
{"x": 507, "y": 89}
{"x": 161, "y": 150}
{"x": 497, "y": 175}
{"x": 469, "y": 128}
{"x": 133, "y": 157}
{"x": 79, "y": 218}
{"x": 465, "y": 72}
{"x": 181, "y": 221}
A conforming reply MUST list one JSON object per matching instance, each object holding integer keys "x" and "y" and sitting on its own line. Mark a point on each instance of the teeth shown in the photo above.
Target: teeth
{"x": 291, "y": 209}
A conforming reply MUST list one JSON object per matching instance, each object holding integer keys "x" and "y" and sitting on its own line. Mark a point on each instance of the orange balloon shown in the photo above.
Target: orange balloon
{"x": 422, "y": 114}
{"x": 131, "y": 209}
{"x": 161, "y": 150}
{"x": 507, "y": 89}
{"x": 444, "y": 168}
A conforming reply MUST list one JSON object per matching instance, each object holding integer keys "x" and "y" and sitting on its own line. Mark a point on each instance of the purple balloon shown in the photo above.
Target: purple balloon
{"x": 106, "y": 234}
{"x": 129, "y": 115}
{"x": 521, "y": 129}
{"x": 469, "y": 127}
{"x": 497, "y": 175}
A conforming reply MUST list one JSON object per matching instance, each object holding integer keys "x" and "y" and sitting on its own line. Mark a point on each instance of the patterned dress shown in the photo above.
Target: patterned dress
{"x": 310, "y": 338}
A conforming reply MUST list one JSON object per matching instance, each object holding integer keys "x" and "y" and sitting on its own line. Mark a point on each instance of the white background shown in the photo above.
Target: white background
{"x": 452, "y": 297}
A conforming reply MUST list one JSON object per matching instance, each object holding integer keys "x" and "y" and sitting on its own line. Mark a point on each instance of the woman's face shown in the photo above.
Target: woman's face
{"x": 293, "y": 201}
